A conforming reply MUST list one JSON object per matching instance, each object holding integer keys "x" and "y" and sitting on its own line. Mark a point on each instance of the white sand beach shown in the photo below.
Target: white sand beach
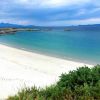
{"x": 19, "y": 68}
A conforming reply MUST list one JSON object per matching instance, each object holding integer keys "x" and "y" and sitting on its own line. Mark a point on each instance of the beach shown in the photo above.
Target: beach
{"x": 19, "y": 68}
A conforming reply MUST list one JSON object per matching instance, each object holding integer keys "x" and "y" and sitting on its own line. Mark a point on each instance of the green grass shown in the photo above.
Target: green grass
{"x": 80, "y": 84}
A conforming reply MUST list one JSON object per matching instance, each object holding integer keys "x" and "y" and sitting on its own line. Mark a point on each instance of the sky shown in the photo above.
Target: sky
{"x": 50, "y": 12}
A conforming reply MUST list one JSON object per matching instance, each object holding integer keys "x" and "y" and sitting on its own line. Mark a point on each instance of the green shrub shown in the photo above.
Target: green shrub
{"x": 80, "y": 84}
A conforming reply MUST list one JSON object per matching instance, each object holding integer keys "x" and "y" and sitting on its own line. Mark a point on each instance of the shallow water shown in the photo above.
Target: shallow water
{"x": 83, "y": 46}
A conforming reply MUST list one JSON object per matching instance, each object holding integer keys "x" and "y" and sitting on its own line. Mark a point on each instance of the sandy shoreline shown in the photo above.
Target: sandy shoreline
{"x": 19, "y": 68}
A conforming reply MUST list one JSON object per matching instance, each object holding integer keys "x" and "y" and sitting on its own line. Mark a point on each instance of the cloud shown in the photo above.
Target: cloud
{"x": 49, "y": 12}
{"x": 73, "y": 22}
{"x": 49, "y": 3}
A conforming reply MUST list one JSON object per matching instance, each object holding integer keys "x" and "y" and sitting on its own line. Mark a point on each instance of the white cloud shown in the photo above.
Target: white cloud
{"x": 16, "y": 21}
{"x": 16, "y": 8}
{"x": 95, "y": 10}
{"x": 73, "y": 22}
{"x": 55, "y": 3}
{"x": 81, "y": 12}
{"x": 50, "y": 3}
{"x": 84, "y": 21}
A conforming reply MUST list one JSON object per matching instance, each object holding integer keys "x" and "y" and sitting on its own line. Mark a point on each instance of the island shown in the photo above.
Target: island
{"x": 14, "y": 30}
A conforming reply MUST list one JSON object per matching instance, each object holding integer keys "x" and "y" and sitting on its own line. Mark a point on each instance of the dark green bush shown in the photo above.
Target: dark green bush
{"x": 80, "y": 84}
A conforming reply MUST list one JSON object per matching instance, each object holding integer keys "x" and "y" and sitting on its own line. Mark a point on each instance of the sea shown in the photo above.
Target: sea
{"x": 76, "y": 45}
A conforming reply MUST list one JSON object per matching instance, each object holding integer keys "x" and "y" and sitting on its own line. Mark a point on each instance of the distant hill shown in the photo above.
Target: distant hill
{"x": 78, "y": 27}
{"x": 85, "y": 27}
{"x": 8, "y": 25}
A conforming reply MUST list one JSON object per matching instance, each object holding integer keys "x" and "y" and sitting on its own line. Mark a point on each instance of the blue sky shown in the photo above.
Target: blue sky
{"x": 50, "y": 12}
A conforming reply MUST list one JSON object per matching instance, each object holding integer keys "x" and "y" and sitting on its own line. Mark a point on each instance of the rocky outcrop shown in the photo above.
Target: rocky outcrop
{"x": 13, "y": 30}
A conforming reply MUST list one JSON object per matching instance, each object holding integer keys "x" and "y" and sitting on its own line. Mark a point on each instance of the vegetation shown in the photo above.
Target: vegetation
{"x": 14, "y": 30}
{"x": 80, "y": 84}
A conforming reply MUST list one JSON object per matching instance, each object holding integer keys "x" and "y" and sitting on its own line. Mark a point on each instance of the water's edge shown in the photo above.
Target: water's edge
{"x": 51, "y": 55}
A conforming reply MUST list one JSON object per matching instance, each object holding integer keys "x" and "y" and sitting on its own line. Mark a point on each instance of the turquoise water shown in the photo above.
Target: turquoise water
{"x": 81, "y": 46}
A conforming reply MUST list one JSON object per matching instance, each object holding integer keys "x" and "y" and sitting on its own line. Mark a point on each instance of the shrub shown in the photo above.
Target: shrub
{"x": 80, "y": 84}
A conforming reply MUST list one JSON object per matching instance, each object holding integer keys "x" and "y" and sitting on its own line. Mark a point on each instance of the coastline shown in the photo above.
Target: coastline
{"x": 51, "y": 54}
{"x": 20, "y": 68}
